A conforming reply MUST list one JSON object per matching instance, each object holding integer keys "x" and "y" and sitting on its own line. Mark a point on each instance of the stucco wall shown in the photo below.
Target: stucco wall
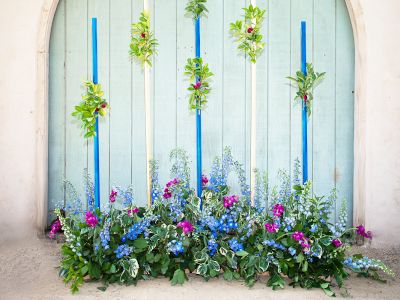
{"x": 22, "y": 112}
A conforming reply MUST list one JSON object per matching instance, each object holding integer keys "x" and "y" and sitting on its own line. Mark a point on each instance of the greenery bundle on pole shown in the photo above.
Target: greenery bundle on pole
{"x": 93, "y": 103}
{"x": 143, "y": 44}
{"x": 305, "y": 85}
{"x": 199, "y": 77}
{"x": 247, "y": 32}
{"x": 196, "y": 8}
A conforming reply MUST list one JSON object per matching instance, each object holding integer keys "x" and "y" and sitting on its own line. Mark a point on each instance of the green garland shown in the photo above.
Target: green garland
{"x": 305, "y": 85}
{"x": 143, "y": 44}
{"x": 196, "y": 8}
{"x": 93, "y": 104}
{"x": 199, "y": 76}
{"x": 247, "y": 32}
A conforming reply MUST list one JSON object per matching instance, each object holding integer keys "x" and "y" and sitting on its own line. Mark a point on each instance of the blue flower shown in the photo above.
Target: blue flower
{"x": 122, "y": 250}
{"x": 314, "y": 228}
{"x": 105, "y": 237}
{"x": 235, "y": 245}
{"x": 175, "y": 247}
{"x": 292, "y": 251}
{"x": 212, "y": 246}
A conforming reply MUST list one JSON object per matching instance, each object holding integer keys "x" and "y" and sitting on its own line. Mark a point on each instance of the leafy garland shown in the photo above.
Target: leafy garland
{"x": 93, "y": 104}
{"x": 143, "y": 44}
{"x": 199, "y": 76}
{"x": 305, "y": 85}
{"x": 247, "y": 33}
{"x": 196, "y": 8}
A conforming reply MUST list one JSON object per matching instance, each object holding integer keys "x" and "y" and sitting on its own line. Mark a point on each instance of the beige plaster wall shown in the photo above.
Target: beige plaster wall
{"x": 23, "y": 132}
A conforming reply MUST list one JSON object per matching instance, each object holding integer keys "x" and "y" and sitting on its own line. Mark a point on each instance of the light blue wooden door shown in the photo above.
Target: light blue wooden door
{"x": 227, "y": 119}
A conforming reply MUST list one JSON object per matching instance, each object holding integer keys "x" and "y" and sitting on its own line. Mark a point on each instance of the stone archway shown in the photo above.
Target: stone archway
{"x": 42, "y": 63}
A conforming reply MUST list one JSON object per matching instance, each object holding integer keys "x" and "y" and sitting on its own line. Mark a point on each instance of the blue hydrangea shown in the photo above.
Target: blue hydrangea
{"x": 175, "y": 247}
{"x": 122, "y": 250}
{"x": 235, "y": 245}
{"x": 212, "y": 246}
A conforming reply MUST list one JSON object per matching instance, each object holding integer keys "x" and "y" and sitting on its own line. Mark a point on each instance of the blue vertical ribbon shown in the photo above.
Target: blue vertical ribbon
{"x": 198, "y": 121}
{"x": 96, "y": 137}
{"x": 304, "y": 107}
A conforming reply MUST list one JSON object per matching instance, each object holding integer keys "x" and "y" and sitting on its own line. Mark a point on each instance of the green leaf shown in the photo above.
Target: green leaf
{"x": 140, "y": 243}
{"x": 242, "y": 253}
{"x": 179, "y": 277}
{"x": 228, "y": 275}
{"x": 214, "y": 265}
{"x": 202, "y": 269}
{"x": 276, "y": 281}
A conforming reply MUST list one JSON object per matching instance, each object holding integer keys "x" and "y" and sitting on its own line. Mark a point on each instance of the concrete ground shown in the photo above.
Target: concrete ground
{"x": 28, "y": 270}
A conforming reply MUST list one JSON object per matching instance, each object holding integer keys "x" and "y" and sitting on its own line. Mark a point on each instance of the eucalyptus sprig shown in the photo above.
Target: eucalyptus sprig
{"x": 247, "y": 32}
{"x": 196, "y": 8}
{"x": 91, "y": 107}
{"x": 143, "y": 44}
{"x": 305, "y": 85}
{"x": 199, "y": 77}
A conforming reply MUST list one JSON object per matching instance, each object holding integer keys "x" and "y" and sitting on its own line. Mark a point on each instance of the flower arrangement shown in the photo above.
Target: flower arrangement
{"x": 290, "y": 237}
{"x": 143, "y": 44}
{"x": 199, "y": 77}
{"x": 305, "y": 85}
{"x": 196, "y": 8}
{"x": 248, "y": 32}
{"x": 91, "y": 107}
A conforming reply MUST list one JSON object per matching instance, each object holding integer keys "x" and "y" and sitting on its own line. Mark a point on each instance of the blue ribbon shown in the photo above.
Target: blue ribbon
{"x": 304, "y": 107}
{"x": 198, "y": 122}
{"x": 96, "y": 137}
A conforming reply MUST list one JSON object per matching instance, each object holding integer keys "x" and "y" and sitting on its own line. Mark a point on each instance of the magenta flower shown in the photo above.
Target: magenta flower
{"x": 230, "y": 200}
{"x": 133, "y": 211}
{"x": 113, "y": 195}
{"x": 278, "y": 210}
{"x": 91, "y": 219}
{"x": 167, "y": 191}
{"x": 204, "y": 180}
{"x": 298, "y": 235}
{"x": 305, "y": 245}
{"x": 361, "y": 231}
{"x": 186, "y": 226}
{"x": 197, "y": 85}
{"x": 55, "y": 227}
{"x": 337, "y": 243}
{"x": 271, "y": 227}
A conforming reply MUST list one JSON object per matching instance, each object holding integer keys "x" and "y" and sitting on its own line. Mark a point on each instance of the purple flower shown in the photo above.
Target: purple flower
{"x": 361, "y": 231}
{"x": 278, "y": 210}
{"x": 113, "y": 195}
{"x": 167, "y": 191}
{"x": 204, "y": 180}
{"x": 55, "y": 227}
{"x": 298, "y": 235}
{"x": 271, "y": 227}
{"x": 337, "y": 243}
{"x": 230, "y": 200}
{"x": 133, "y": 211}
{"x": 186, "y": 226}
{"x": 91, "y": 219}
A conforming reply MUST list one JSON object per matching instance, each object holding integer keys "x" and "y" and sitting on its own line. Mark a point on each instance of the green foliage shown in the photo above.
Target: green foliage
{"x": 229, "y": 241}
{"x": 143, "y": 44}
{"x": 196, "y": 8}
{"x": 305, "y": 85}
{"x": 91, "y": 107}
{"x": 248, "y": 32}
{"x": 199, "y": 77}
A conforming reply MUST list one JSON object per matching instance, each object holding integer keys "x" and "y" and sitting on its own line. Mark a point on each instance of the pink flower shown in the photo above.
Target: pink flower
{"x": 298, "y": 235}
{"x": 91, "y": 219}
{"x": 230, "y": 200}
{"x": 197, "y": 85}
{"x": 337, "y": 243}
{"x": 167, "y": 191}
{"x": 113, "y": 195}
{"x": 250, "y": 30}
{"x": 361, "y": 231}
{"x": 204, "y": 179}
{"x": 278, "y": 210}
{"x": 305, "y": 245}
{"x": 186, "y": 226}
{"x": 55, "y": 227}
{"x": 133, "y": 211}
{"x": 271, "y": 227}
